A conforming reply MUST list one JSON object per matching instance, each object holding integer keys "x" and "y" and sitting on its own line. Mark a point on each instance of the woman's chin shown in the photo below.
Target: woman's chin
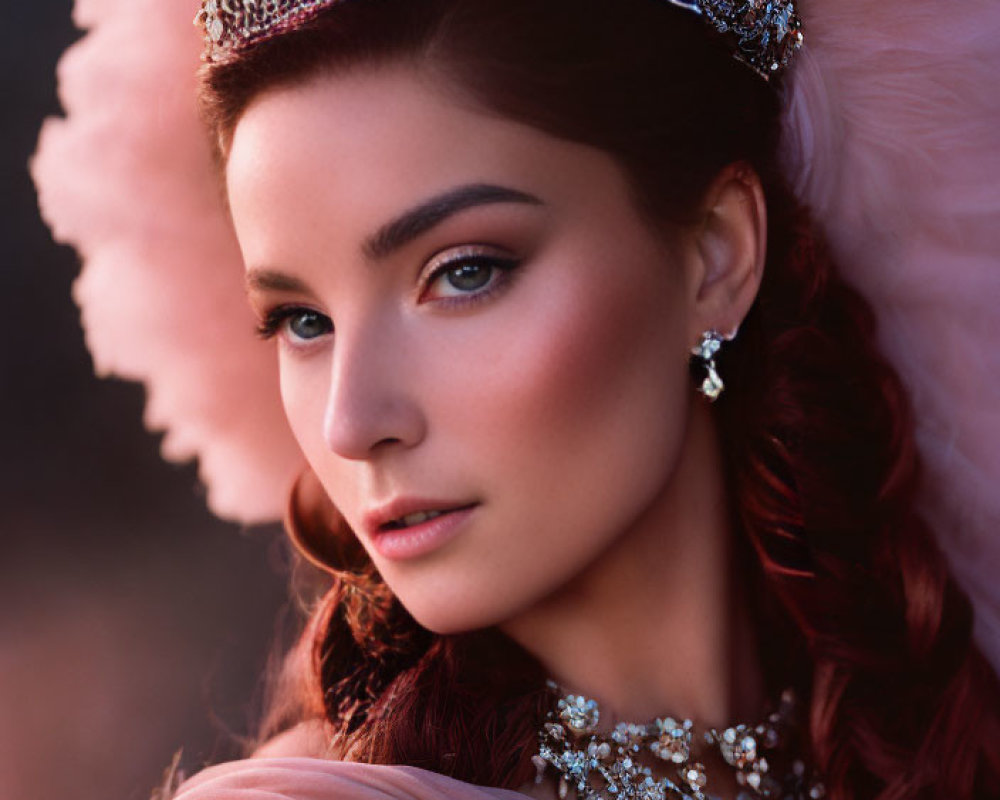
{"x": 449, "y": 620}
{"x": 453, "y": 613}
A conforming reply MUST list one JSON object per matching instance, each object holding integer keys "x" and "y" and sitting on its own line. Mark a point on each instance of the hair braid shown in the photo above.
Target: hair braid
{"x": 827, "y": 472}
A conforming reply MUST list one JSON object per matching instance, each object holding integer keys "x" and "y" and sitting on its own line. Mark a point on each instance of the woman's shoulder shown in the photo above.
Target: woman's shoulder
{"x": 304, "y": 778}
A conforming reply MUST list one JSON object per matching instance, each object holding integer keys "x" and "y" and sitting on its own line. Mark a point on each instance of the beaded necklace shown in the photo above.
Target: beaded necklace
{"x": 610, "y": 767}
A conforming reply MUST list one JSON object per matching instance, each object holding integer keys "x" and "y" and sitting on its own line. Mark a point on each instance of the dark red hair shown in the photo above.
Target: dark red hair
{"x": 855, "y": 603}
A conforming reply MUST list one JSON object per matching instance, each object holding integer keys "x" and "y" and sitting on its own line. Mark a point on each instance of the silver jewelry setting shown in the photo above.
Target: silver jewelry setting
{"x": 763, "y": 34}
{"x": 230, "y": 26}
{"x": 705, "y": 352}
{"x": 616, "y": 766}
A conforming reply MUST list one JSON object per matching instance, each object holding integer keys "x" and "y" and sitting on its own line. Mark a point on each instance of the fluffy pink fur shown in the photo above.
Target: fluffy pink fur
{"x": 892, "y": 139}
{"x": 127, "y": 179}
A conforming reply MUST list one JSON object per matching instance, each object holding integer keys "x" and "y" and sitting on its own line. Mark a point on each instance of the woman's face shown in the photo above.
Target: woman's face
{"x": 471, "y": 318}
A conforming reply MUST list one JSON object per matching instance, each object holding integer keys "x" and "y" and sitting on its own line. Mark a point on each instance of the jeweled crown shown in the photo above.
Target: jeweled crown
{"x": 764, "y": 34}
{"x": 233, "y": 25}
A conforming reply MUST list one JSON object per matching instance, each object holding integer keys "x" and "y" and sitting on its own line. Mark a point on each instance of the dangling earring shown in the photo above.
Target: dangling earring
{"x": 705, "y": 352}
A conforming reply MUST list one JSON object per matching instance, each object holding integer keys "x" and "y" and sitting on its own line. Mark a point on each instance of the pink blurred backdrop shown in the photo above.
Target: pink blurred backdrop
{"x": 132, "y": 623}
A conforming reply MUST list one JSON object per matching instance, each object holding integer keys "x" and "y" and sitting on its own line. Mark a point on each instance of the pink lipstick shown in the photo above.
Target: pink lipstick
{"x": 410, "y": 527}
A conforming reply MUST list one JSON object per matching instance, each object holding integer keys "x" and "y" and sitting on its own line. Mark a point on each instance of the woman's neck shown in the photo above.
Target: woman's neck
{"x": 649, "y": 629}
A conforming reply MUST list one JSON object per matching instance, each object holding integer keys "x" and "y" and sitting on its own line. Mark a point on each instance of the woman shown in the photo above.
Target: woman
{"x": 487, "y": 236}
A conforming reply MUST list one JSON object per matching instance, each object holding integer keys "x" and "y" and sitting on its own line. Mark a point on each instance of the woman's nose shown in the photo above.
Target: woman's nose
{"x": 371, "y": 405}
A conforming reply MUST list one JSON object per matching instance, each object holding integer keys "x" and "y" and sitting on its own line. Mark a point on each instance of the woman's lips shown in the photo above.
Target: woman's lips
{"x": 401, "y": 544}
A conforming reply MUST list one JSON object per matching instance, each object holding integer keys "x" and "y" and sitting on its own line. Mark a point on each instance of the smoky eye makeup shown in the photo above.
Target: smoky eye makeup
{"x": 467, "y": 275}
{"x": 458, "y": 277}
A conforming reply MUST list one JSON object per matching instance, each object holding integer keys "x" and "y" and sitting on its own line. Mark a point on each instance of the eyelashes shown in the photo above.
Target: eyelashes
{"x": 468, "y": 276}
{"x": 461, "y": 279}
{"x": 301, "y": 323}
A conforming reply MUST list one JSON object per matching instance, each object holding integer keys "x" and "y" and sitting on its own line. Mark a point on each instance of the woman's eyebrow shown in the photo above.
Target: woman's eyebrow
{"x": 266, "y": 280}
{"x": 418, "y": 220}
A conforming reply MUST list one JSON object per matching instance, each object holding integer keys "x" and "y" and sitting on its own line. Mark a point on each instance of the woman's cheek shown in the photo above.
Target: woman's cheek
{"x": 579, "y": 398}
{"x": 304, "y": 386}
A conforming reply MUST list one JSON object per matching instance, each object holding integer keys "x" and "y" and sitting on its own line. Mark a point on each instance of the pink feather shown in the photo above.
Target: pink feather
{"x": 127, "y": 179}
{"x": 893, "y": 140}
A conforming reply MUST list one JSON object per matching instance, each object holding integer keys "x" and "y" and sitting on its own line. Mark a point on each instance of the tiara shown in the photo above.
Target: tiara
{"x": 234, "y": 25}
{"x": 763, "y": 34}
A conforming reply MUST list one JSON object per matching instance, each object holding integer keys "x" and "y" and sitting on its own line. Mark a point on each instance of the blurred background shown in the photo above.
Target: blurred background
{"x": 132, "y": 623}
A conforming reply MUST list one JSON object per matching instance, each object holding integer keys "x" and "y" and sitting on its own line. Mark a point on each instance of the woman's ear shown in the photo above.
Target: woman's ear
{"x": 730, "y": 244}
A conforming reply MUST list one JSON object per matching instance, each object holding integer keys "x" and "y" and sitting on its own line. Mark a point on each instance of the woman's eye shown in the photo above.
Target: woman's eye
{"x": 300, "y": 324}
{"x": 308, "y": 325}
{"x": 468, "y": 276}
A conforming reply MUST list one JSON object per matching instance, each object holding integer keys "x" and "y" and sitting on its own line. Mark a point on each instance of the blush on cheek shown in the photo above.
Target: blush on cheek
{"x": 619, "y": 375}
{"x": 593, "y": 352}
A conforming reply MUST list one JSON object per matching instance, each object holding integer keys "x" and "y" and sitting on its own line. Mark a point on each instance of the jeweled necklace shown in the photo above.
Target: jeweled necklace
{"x": 609, "y": 767}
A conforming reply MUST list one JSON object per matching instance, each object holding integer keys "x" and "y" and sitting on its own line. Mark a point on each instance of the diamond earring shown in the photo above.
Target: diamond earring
{"x": 704, "y": 352}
